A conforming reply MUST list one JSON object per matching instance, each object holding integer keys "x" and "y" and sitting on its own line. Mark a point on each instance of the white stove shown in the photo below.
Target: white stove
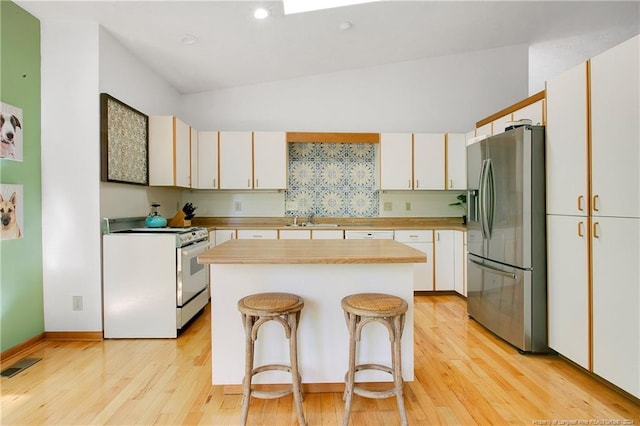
{"x": 153, "y": 284}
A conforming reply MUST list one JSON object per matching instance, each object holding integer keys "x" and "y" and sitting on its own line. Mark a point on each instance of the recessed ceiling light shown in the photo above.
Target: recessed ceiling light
{"x": 189, "y": 39}
{"x": 345, "y": 26}
{"x": 261, "y": 13}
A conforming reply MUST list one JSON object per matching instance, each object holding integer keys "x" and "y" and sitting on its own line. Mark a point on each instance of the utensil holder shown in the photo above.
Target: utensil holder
{"x": 179, "y": 221}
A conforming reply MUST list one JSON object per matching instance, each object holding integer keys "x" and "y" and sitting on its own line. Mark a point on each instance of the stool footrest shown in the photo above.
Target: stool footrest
{"x": 387, "y": 393}
{"x": 271, "y": 394}
{"x": 271, "y": 367}
{"x": 375, "y": 394}
{"x": 378, "y": 367}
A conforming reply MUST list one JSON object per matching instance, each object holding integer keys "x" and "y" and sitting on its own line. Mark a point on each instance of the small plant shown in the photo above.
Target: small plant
{"x": 462, "y": 203}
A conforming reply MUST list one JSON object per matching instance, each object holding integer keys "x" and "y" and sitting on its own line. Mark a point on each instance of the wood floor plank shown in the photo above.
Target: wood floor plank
{"x": 464, "y": 375}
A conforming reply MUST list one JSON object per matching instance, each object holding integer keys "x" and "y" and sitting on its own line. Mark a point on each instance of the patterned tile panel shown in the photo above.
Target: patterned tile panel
{"x": 332, "y": 180}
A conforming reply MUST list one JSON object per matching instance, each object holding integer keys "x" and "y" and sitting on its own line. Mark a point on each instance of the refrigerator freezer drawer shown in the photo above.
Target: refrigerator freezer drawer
{"x": 509, "y": 302}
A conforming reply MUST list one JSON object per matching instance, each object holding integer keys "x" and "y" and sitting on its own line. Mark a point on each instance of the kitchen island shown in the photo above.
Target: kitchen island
{"x": 322, "y": 272}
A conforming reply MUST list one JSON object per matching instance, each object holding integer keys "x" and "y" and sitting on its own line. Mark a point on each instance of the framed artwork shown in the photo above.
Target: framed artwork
{"x": 124, "y": 141}
{"x": 11, "y": 212}
{"x": 11, "y": 127}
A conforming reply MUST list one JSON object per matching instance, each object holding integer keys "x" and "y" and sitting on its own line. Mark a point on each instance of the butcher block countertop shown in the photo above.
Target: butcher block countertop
{"x": 360, "y": 224}
{"x": 311, "y": 252}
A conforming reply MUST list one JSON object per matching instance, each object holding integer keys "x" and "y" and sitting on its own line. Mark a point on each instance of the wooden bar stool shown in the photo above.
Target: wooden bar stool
{"x": 256, "y": 310}
{"x": 359, "y": 310}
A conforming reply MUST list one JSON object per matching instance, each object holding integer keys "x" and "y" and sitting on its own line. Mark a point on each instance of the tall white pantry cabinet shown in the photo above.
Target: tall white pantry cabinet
{"x": 593, "y": 215}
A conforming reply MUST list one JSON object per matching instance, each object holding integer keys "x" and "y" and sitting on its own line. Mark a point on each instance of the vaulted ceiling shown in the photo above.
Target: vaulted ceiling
{"x": 204, "y": 45}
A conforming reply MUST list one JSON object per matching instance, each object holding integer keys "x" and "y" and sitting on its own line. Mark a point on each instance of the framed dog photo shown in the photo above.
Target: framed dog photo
{"x": 10, "y": 132}
{"x": 11, "y": 212}
{"x": 124, "y": 142}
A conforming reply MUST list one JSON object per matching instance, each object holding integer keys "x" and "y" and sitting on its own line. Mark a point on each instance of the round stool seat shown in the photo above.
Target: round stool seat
{"x": 374, "y": 305}
{"x": 265, "y": 304}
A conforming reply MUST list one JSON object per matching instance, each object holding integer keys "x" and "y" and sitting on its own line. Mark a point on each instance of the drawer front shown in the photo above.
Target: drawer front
{"x": 258, "y": 234}
{"x": 414, "y": 236}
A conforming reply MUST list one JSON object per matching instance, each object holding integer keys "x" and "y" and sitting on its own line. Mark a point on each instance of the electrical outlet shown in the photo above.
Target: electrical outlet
{"x": 238, "y": 206}
{"x": 77, "y": 303}
{"x": 407, "y": 206}
{"x": 387, "y": 206}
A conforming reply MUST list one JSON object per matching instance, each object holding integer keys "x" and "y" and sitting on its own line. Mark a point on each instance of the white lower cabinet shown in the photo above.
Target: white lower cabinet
{"x": 460, "y": 262}
{"x": 616, "y": 295}
{"x": 568, "y": 287}
{"x": 444, "y": 260}
{"x": 421, "y": 240}
{"x": 223, "y": 235}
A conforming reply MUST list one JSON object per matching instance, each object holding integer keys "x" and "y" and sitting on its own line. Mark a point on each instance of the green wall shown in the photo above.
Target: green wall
{"x": 21, "y": 299}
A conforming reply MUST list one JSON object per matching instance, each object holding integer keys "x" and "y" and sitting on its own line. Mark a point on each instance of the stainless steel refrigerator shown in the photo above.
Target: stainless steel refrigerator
{"x": 506, "y": 237}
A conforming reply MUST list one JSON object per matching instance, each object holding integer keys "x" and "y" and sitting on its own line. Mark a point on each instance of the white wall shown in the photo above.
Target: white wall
{"x": 124, "y": 77}
{"x": 73, "y": 198}
{"x": 445, "y": 94}
{"x": 70, "y": 171}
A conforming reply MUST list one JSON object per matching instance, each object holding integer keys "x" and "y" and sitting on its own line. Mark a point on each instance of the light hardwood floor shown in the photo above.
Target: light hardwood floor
{"x": 464, "y": 376}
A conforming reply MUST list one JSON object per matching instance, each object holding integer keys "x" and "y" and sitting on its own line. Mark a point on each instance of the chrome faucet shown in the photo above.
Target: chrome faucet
{"x": 311, "y": 216}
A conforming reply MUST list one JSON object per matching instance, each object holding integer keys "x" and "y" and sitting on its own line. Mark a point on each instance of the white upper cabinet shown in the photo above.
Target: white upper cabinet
{"x": 270, "y": 160}
{"x": 169, "y": 152}
{"x": 207, "y": 160}
{"x": 456, "y": 161}
{"x": 567, "y": 143}
{"x": 428, "y": 161}
{"x": 412, "y": 161}
{"x": 484, "y": 130}
{"x": 533, "y": 112}
{"x": 194, "y": 157}
{"x": 615, "y": 131}
{"x": 236, "y": 160}
{"x": 498, "y": 125}
{"x": 253, "y": 160}
{"x": 396, "y": 161}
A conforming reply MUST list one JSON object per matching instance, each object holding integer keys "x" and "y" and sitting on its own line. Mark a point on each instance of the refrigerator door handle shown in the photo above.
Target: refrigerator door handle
{"x": 493, "y": 270}
{"x": 491, "y": 197}
{"x": 482, "y": 200}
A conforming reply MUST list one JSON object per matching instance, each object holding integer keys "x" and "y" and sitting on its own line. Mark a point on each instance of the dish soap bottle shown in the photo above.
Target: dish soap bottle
{"x": 154, "y": 220}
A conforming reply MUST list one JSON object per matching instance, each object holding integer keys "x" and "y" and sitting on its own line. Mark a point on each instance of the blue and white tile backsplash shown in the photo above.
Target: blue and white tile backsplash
{"x": 332, "y": 180}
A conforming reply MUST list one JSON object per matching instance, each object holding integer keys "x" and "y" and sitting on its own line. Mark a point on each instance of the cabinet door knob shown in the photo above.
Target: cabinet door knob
{"x": 214, "y": 183}
{"x": 580, "y": 231}
{"x": 409, "y": 186}
{"x": 248, "y": 183}
{"x": 581, "y": 203}
{"x": 595, "y": 203}
{"x": 596, "y": 225}
{"x": 450, "y": 183}
{"x": 417, "y": 183}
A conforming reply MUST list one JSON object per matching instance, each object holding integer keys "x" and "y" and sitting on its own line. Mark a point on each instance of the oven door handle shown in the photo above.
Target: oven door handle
{"x": 194, "y": 249}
